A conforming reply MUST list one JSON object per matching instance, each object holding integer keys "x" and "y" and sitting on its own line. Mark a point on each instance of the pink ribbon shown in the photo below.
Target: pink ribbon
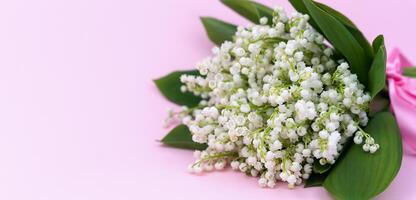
{"x": 402, "y": 92}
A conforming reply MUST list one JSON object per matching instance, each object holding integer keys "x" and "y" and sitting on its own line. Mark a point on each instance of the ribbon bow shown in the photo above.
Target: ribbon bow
{"x": 402, "y": 92}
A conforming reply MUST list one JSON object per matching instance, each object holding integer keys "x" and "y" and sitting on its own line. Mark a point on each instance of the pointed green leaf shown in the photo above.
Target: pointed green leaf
{"x": 301, "y": 8}
{"x": 410, "y": 72}
{"x": 340, "y": 37}
{"x": 361, "y": 175}
{"x": 341, "y": 17}
{"x": 244, "y": 8}
{"x": 264, "y": 11}
{"x": 363, "y": 42}
{"x": 377, "y": 42}
{"x": 315, "y": 180}
{"x": 180, "y": 137}
{"x": 320, "y": 169}
{"x": 350, "y": 26}
{"x": 365, "y": 51}
{"x": 377, "y": 73}
{"x": 251, "y": 10}
{"x": 218, "y": 31}
{"x": 170, "y": 87}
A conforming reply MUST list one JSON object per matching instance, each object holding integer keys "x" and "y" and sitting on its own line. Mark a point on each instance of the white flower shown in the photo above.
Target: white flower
{"x": 262, "y": 182}
{"x": 271, "y": 109}
{"x": 245, "y": 108}
{"x": 235, "y": 165}
{"x": 263, "y": 20}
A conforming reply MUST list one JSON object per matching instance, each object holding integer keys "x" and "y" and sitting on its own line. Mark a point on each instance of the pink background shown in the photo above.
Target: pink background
{"x": 80, "y": 116}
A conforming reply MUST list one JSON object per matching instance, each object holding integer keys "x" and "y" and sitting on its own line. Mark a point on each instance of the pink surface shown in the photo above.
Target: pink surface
{"x": 80, "y": 116}
{"x": 402, "y": 92}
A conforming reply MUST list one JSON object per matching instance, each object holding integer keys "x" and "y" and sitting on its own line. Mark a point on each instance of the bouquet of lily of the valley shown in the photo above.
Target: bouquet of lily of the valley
{"x": 295, "y": 98}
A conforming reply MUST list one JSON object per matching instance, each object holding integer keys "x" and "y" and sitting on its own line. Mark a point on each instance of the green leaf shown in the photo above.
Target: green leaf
{"x": 244, "y": 8}
{"x": 342, "y": 40}
{"x": 377, "y": 73}
{"x": 180, "y": 137}
{"x": 315, "y": 180}
{"x": 410, "y": 72}
{"x": 363, "y": 42}
{"x": 350, "y": 26}
{"x": 341, "y": 17}
{"x": 347, "y": 23}
{"x": 264, "y": 11}
{"x": 170, "y": 87}
{"x": 301, "y": 8}
{"x": 218, "y": 31}
{"x": 361, "y": 175}
{"x": 251, "y": 10}
{"x": 320, "y": 169}
{"x": 377, "y": 42}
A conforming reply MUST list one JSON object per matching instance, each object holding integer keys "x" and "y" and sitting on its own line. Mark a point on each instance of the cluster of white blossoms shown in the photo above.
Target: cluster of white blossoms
{"x": 276, "y": 101}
